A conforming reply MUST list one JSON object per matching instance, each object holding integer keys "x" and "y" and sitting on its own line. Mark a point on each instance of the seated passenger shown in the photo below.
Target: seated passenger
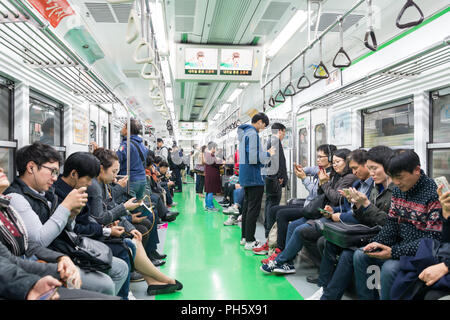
{"x": 238, "y": 200}
{"x": 310, "y": 180}
{"x": 27, "y": 279}
{"x": 157, "y": 282}
{"x": 340, "y": 178}
{"x": 370, "y": 210}
{"x": 166, "y": 183}
{"x": 414, "y": 214}
{"x": 33, "y": 197}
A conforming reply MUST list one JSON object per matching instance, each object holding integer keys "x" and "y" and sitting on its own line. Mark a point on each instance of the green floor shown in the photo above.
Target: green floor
{"x": 206, "y": 257}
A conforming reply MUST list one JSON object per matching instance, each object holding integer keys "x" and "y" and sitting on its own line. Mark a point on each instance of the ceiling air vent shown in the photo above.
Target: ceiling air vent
{"x": 275, "y": 10}
{"x": 184, "y": 24}
{"x": 132, "y": 73}
{"x": 328, "y": 18}
{"x": 101, "y": 12}
{"x": 122, "y": 11}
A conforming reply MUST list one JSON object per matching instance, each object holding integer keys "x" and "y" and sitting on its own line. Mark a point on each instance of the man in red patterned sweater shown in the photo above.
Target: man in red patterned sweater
{"x": 414, "y": 214}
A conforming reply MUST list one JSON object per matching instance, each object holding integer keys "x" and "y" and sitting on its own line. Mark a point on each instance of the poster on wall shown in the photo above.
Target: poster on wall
{"x": 53, "y": 10}
{"x": 341, "y": 129}
{"x": 80, "y": 126}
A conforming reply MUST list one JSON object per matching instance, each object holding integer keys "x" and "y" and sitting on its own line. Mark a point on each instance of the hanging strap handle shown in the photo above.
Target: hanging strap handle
{"x": 151, "y": 54}
{"x": 271, "y": 100}
{"x": 303, "y": 77}
{"x": 147, "y": 75}
{"x": 279, "y": 97}
{"x": 132, "y": 27}
{"x": 409, "y": 3}
{"x": 341, "y": 50}
{"x": 317, "y": 74}
{"x": 289, "y": 91}
{"x": 370, "y": 32}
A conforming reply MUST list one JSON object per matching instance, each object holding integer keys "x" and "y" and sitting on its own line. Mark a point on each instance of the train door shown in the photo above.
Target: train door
{"x": 7, "y": 143}
{"x": 303, "y": 148}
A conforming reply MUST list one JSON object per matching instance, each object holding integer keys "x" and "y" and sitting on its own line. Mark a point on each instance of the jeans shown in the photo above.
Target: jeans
{"x": 238, "y": 196}
{"x": 178, "y": 182}
{"x": 293, "y": 241}
{"x": 250, "y": 211}
{"x": 271, "y": 201}
{"x": 199, "y": 183}
{"x": 366, "y": 280}
{"x": 335, "y": 280}
{"x": 209, "y": 203}
{"x": 137, "y": 189}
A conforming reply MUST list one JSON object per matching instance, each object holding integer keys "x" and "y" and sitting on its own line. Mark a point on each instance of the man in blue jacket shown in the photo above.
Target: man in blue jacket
{"x": 251, "y": 160}
{"x": 138, "y": 154}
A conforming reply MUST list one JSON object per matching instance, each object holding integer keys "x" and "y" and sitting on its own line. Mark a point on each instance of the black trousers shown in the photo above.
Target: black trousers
{"x": 272, "y": 200}
{"x": 250, "y": 211}
{"x": 272, "y": 215}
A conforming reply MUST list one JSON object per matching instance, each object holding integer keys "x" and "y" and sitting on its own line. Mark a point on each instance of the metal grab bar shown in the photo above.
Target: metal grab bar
{"x": 341, "y": 50}
{"x": 130, "y": 37}
{"x": 149, "y": 76}
{"x": 409, "y": 3}
{"x": 370, "y": 32}
{"x": 147, "y": 60}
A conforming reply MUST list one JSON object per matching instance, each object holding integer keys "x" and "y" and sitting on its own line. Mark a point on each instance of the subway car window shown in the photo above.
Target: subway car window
{"x": 440, "y": 163}
{"x": 441, "y": 118}
{"x": 303, "y": 147}
{"x": 6, "y": 150}
{"x": 320, "y": 136}
{"x": 45, "y": 122}
{"x": 4, "y": 112}
{"x": 391, "y": 127}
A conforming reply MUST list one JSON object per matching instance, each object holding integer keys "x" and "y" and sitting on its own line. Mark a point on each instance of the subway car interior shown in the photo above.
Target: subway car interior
{"x": 188, "y": 83}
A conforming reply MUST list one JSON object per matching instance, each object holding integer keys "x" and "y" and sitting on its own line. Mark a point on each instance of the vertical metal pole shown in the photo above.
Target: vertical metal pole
{"x": 309, "y": 22}
{"x": 294, "y": 142}
{"x": 128, "y": 148}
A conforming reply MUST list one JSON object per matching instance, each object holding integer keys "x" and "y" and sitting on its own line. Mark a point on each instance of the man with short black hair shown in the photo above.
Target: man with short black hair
{"x": 161, "y": 150}
{"x": 414, "y": 214}
{"x": 252, "y": 159}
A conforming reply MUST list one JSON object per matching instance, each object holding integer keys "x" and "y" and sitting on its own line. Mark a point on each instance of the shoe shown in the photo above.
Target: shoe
{"x": 211, "y": 209}
{"x": 264, "y": 249}
{"x": 136, "y": 277}
{"x": 172, "y": 214}
{"x": 269, "y": 267}
{"x": 225, "y": 201}
{"x": 285, "y": 268}
{"x": 251, "y": 245}
{"x": 168, "y": 219}
{"x": 231, "y": 210}
{"x": 230, "y": 222}
{"x": 131, "y": 296}
{"x": 239, "y": 219}
{"x": 156, "y": 255}
{"x": 313, "y": 279}
{"x": 174, "y": 204}
{"x": 272, "y": 257}
{"x": 157, "y": 262}
{"x": 242, "y": 242}
{"x": 155, "y": 289}
{"x": 317, "y": 295}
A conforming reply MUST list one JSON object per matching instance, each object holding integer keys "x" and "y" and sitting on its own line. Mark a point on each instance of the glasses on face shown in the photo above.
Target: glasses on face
{"x": 320, "y": 157}
{"x": 54, "y": 171}
{"x": 336, "y": 162}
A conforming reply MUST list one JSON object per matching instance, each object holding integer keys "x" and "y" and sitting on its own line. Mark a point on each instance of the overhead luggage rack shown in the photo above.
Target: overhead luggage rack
{"x": 32, "y": 40}
{"x": 408, "y": 68}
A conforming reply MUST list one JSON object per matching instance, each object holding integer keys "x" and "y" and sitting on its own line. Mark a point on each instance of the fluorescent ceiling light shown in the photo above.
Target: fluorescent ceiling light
{"x": 169, "y": 94}
{"x": 216, "y": 116}
{"x": 299, "y": 18}
{"x": 234, "y": 95}
{"x": 171, "y": 106}
{"x": 244, "y": 84}
{"x": 224, "y": 107}
{"x": 158, "y": 24}
{"x": 166, "y": 71}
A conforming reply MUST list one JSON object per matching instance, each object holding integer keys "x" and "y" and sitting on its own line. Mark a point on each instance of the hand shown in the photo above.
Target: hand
{"x": 323, "y": 177}
{"x": 237, "y": 186}
{"x": 117, "y": 231}
{"x": 280, "y": 181}
{"x": 75, "y": 212}
{"x": 77, "y": 198}
{"x": 67, "y": 268}
{"x": 123, "y": 182}
{"x": 329, "y": 209}
{"x": 137, "y": 235}
{"x": 358, "y": 198}
{"x": 336, "y": 217}
{"x": 298, "y": 170}
{"x": 131, "y": 205}
{"x": 444, "y": 199}
{"x": 135, "y": 217}
{"x": 432, "y": 274}
{"x": 43, "y": 285}
{"x": 384, "y": 254}
{"x": 271, "y": 151}
{"x": 346, "y": 195}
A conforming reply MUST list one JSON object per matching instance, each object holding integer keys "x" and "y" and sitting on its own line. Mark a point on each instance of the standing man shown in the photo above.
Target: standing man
{"x": 161, "y": 149}
{"x": 138, "y": 154}
{"x": 251, "y": 161}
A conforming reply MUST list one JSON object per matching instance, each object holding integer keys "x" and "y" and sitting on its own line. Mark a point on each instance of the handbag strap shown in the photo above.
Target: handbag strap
{"x": 140, "y": 153}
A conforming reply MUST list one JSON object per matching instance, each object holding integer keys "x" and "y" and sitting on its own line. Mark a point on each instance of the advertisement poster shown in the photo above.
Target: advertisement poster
{"x": 236, "y": 62}
{"x": 80, "y": 126}
{"x": 200, "y": 61}
{"x": 341, "y": 129}
{"x": 53, "y": 10}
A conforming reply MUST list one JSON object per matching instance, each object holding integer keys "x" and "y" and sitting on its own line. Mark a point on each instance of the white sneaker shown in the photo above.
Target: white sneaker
{"x": 131, "y": 296}
{"x": 242, "y": 241}
{"x": 251, "y": 245}
{"x": 239, "y": 219}
{"x": 231, "y": 210}
{"x": 317, "y": 295}
{"x": 230, "y": 222}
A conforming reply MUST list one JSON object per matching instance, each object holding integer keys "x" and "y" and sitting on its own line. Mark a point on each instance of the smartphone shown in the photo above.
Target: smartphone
{"x": 120, "y": 177}
{"x": 443, "y": 180}
{"x": 347, "y": 192}
{"x": 373, "y": 250}
{"x": 47, "y": 295}
{"x": 325, "y": 212}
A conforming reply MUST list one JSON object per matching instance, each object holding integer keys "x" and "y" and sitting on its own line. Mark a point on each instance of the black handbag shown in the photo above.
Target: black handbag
{"x": 311, "y": 210}
{"x": 347, "y": 235}
{"x": 87, "y": 253}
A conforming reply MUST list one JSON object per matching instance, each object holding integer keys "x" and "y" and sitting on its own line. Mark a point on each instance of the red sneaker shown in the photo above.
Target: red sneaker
{"x": 264, "y": 249}
{"x": 272, "y": 257}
